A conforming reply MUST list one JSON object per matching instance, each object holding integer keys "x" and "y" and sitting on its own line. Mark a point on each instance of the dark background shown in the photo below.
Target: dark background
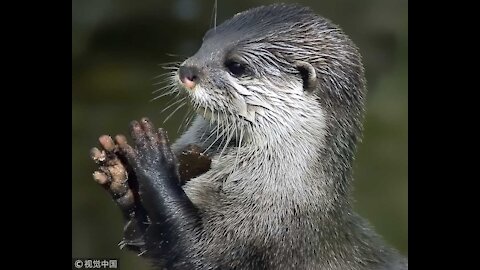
{"x": 117, "y": 47}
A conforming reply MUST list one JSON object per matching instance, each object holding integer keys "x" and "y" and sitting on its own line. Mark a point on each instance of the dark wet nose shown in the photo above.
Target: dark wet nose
{"x": 189, "y": 76}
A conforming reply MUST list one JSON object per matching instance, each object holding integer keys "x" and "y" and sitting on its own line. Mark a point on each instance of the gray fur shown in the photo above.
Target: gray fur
{"x": 278, "y": 195}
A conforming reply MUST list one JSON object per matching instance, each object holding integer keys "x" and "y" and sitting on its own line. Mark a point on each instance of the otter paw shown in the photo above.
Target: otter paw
{"x": 117, "y": 177}
{"x": 112, "y": 173}
{"x": 151, "y": 155}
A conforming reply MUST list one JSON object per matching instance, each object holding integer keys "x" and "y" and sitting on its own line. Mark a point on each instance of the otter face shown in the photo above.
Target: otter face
{"x": 266, "y": 65}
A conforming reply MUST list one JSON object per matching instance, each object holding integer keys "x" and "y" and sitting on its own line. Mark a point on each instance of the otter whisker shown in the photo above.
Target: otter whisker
{"x": 170, "y": 63}
{"x": 205, "y": 132}
{"x": 212, "y": 114}
{"x": 216, "y": 139}
{"x": 238, "y": 148}
{"x": 197, "y": 108}
{"x": 165, "y": 74}
{"x": 174, "y": 111}
{"x": 203, "y": 135}
{"x": 222, "y": 133}
{"x": 214, "y": 16}
{"x": 204, "y": 112}
{"x": 218, "y": 121}
{"x": 192, "y": 115}
{"x": 229, "y": 138}
{"x": 165, "y": 80}
{"x": 225, "y": 127}
{"x": 173, "y": 104}
{"x": 169, "y": 92}
{"x": 212, "y": 132}
{"x": 169, "y": 85}
{"x": 186, "y": 120}
{"x": 176, "y": 55}
{"x": 178, "y": 94}
{"x": 215, "y": 20}
{"x": 170, "y": 67}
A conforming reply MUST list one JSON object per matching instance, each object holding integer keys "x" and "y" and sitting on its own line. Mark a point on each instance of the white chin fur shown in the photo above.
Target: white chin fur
{"x": 203, "y": 103}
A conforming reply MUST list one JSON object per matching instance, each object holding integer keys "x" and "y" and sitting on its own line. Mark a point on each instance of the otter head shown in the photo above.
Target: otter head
{"x": 276, "y": 68}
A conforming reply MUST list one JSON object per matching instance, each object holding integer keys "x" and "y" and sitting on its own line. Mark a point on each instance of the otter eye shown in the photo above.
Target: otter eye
{"x": 235, "y": 68}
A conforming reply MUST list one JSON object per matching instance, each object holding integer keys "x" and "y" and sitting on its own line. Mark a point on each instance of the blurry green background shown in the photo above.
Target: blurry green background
{"x": 117, "y": 47}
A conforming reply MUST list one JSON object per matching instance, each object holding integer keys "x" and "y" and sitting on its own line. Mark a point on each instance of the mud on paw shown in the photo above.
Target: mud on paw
{"x": 113, "y": 172}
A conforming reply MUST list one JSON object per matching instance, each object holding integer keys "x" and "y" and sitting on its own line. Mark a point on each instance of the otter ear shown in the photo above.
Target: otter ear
{"x": 308, "y": 74}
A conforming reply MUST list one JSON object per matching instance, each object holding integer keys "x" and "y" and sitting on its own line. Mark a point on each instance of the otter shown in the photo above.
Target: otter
{"x": 262, "y": 178}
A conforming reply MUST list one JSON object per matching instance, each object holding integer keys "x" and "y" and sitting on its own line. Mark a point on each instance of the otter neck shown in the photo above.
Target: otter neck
{"x": 292, "y": 157}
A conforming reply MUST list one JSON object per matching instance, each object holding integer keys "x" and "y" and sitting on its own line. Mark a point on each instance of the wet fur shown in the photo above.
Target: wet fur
{"x": 277, "y": 195}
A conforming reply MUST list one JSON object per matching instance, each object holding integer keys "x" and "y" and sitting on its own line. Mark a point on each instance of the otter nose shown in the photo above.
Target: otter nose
{"x": 189, "y": 76}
